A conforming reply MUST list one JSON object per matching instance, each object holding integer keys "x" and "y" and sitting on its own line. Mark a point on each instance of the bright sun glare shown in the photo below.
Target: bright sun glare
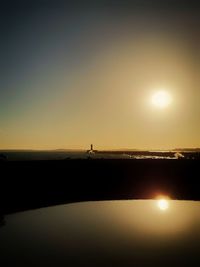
{"x": 161, "y": 99}
{"x": 163, "y": 204}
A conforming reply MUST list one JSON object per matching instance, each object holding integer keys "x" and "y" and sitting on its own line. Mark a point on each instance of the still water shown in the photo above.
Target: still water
{"x": 104, "y": 233}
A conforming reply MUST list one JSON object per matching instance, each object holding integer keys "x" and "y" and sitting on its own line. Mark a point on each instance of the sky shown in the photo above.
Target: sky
{"x": 80, "y": 72}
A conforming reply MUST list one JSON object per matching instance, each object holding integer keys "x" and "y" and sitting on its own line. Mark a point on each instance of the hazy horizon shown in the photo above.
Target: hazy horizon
{"x": 100, "y": 149}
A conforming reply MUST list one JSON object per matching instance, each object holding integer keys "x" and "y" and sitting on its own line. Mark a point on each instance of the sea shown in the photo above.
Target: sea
{"x": 24, "y": 155}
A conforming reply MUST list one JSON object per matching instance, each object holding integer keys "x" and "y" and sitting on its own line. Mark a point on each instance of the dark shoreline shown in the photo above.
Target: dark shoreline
{"x": 33, "y": 184}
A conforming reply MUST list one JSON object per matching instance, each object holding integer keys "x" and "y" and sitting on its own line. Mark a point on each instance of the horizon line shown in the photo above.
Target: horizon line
{"x": 107, "y": 149}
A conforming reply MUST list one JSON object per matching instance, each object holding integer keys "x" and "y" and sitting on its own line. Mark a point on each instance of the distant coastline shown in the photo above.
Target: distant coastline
{"x": 64, "y": 154}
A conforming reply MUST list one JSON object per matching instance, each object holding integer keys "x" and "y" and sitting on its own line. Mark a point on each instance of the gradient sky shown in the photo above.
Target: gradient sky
{"x": 81, "y": 72}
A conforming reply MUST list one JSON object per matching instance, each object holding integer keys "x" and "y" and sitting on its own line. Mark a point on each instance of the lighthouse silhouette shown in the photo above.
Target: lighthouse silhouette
{"x": 91, "y": 150}
{"x": 91, "y": 147}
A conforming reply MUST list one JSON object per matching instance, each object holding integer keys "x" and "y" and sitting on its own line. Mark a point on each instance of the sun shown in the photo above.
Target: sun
{"x": 161, "y": 99}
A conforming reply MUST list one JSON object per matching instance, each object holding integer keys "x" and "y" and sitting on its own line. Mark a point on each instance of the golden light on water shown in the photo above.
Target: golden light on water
{"x": 163, "y": 204}
{"x": 161, "y": 99}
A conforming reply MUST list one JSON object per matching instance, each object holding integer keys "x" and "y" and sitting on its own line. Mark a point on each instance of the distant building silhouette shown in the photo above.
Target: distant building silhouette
{"x": 91, "y": 150}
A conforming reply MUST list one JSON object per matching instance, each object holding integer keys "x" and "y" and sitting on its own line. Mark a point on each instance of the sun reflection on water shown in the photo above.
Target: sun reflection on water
{"x": 163, "y": 204}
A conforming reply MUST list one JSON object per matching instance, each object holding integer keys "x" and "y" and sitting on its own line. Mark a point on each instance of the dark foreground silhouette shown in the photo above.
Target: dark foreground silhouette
{"x": 33, "y": 184}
